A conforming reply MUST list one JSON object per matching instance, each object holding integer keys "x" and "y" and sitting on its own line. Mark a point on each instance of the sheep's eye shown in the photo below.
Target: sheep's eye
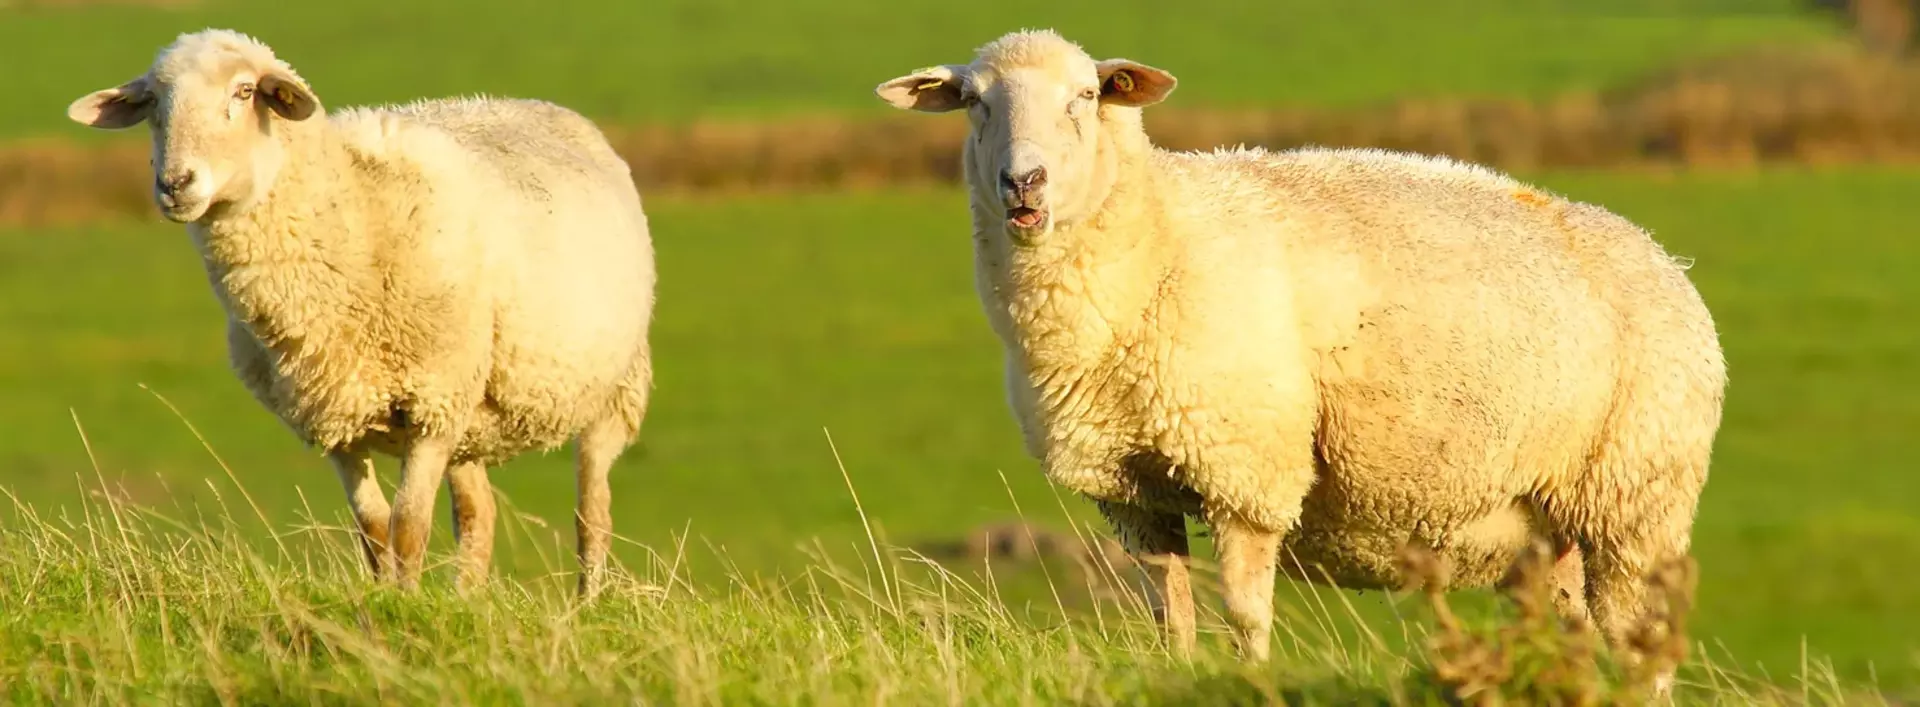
{"x": 1090, "y": 94}
{"x": 245, "y": 92}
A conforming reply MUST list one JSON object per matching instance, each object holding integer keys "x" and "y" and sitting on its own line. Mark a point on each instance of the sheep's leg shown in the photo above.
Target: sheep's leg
{"x": 1632, "y": 521}
{"x": 1624, "y": 574}
{"x": 596, "y": 451}
{"x": 1570, "y": 583}
{"x": 1248, "y": 557}
{"x": 369, "y": 505}
{"x": 1158, "y": 541}
{"x": 472, "y": 522}
{"x": 420, "y": 474}
{"x": 1565, "y": 576}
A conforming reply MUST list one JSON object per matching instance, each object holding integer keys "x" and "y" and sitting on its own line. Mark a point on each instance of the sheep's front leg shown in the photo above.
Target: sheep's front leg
{"x": 473, "y": 515}
{"x": 370, "y": 510}
{"x": 1158, "y": 542}
{"x": 1248, "y": 555}
{"x": 420, "y": 473}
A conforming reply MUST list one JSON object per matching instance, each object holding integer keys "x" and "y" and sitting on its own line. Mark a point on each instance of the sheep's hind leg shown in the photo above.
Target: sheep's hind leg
{"x": 596, "y": 451}
{"x": 1158, "y": 542}
{"x": 1627, "y": 571}
{"x": 1564, "y": 570}
{"x": 1635, "y": 556}
{"x": 420, "y": 473}
{"x": 1569, "y": 582}
{"x": 370, "y": 510}
{"x": 473, "y": 523}
{"x": 1249, "y": 555}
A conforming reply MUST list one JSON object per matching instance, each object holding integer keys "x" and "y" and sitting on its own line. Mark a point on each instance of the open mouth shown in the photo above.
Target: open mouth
{"x": 180, "y": 213}
{"x": 1026, "y": 217}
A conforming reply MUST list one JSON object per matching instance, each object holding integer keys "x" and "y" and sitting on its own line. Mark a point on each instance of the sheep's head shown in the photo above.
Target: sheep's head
{"x": 212, "y": 100}
{"x": 1043, "y": 114}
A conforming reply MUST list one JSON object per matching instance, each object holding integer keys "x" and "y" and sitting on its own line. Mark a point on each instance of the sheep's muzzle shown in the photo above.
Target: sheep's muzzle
{"x": 1026, "y": 218}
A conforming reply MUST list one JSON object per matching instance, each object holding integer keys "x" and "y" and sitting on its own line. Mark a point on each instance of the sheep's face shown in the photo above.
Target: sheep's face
{"x": 210, "y": 101}
{"x": 1039, "y": 153}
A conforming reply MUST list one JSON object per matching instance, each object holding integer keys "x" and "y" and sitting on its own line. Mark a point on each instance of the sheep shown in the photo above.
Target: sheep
{"x": 1324, "y": 354}
{"x": 451, "y": 282}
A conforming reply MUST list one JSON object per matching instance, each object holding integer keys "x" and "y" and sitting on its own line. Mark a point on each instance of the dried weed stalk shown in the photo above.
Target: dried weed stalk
{"x": 1539, "y": 657}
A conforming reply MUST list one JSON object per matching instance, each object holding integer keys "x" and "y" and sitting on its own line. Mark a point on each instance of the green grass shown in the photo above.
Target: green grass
{"x": 676, "y": 59}
{"x": 116, "y": 603}
{"x": 783, "y": 316}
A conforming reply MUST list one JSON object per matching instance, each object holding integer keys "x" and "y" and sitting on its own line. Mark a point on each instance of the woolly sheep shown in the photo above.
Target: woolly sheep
{"x": 1345, "y": 350}
{"x": 451, "y": 282}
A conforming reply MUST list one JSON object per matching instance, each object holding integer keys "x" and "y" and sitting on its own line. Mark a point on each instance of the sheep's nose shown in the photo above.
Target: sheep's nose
{"x": 1036, "y": 177}
{"x": 171, "y": 185}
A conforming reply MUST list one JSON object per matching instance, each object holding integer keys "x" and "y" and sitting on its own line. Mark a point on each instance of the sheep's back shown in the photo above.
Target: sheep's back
{"x": 1471, "y": 332}
{"x": 567, "y": 264}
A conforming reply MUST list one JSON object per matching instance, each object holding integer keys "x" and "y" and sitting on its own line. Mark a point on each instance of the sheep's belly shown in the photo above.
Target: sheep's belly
{"x": 492, "y": 437}
{"x": 1478, "y": 553}
{"x": 498, "y": 436}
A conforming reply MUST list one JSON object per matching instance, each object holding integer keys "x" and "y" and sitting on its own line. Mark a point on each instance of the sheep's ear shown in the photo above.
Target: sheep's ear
{"x": 935, "y": 89}
{"x": 287, "y": 96}
{"x": 1131, "y": 83}
{"x": 116, "y": 108}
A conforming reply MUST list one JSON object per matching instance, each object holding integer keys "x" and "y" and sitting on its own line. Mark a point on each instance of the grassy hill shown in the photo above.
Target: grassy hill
{"x": 677, "y": 59}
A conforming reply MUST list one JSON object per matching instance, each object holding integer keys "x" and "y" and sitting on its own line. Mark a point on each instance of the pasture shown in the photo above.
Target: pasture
{"x": 808, "y": 341}
{"x": 784, "y": 316}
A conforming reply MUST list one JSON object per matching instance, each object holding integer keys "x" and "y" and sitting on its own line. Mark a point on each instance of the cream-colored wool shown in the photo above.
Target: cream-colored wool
{"x": 453, "y": 281}
{"x": 1350, "y": 349}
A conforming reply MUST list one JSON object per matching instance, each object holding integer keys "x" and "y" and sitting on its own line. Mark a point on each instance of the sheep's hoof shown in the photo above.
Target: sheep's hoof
{"x": 407, "y": 581}
{"x": 588, "y": 589}
{"x": 466, "y": 584}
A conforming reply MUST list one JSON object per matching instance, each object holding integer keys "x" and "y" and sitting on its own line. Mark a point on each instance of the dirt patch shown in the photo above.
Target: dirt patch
{"x": 1014, "y": 542}
{"x": 52, "y": 182}
{"x": 1737, "y": 113}
{"x": 1100, "y": 565}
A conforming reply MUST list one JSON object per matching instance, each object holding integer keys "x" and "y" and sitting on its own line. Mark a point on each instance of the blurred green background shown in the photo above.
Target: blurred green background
{"x": 784, "y": 316}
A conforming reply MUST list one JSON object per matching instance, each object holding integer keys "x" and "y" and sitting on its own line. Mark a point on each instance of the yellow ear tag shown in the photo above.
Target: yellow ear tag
{"x": 1123, "y": 82}
{"x": 929, "y": 83}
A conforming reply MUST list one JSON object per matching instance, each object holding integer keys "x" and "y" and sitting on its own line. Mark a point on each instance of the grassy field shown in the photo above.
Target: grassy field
{"x": 125, "y": 605}
{"x": 675, "y": 59}
{"x": 781, "y": 316}
{"x": 804, "y": 336}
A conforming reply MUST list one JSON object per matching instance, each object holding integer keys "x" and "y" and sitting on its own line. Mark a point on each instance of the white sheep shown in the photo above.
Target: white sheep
{"x": 1347, "y": 350}
{"x": 451, "y": 282}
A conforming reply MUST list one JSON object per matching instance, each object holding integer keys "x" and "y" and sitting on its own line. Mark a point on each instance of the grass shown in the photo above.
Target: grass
{"x": 783, "y": 316}
{"x": 127, "y": 604}
{"x": 119, "y": 603}
{"x": 671, "y": 60}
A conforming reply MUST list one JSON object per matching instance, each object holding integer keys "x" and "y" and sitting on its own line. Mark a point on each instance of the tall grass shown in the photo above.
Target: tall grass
{"x": 122, "y": 603}
{"x": 130, "y": 604}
